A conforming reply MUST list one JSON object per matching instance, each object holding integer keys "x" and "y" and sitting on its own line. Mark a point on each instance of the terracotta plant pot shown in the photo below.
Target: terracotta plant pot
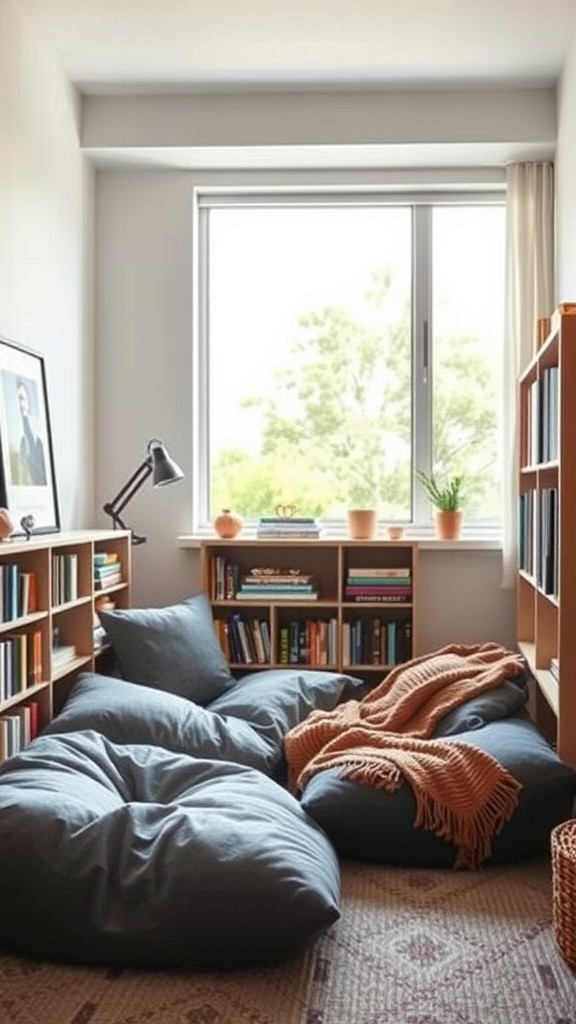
{"x": 448, "y": 525}
{"x": 228, "y": 524}
{"x": 395, "y": 532}
{"x": 362, "y": 523}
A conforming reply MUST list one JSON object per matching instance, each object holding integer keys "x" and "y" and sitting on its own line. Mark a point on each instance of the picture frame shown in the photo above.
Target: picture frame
{"x": 27, "y": 478}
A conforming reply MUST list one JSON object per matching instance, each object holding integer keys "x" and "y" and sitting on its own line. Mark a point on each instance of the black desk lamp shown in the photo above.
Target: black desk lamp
{"x": 164, "y": 471}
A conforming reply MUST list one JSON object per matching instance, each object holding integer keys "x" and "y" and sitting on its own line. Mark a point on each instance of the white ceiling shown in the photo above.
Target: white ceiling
{"x": 158, "y": 45}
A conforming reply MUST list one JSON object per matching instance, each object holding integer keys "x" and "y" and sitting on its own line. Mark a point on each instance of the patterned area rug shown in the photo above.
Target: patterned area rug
{"x": 412, "y": 947}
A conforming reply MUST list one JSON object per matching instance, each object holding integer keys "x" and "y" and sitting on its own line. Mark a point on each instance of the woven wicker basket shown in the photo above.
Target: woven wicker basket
{"x": 564, "y": 889}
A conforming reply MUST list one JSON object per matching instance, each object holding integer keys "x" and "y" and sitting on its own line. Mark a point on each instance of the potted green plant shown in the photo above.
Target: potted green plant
{"x": 446, "y": 497}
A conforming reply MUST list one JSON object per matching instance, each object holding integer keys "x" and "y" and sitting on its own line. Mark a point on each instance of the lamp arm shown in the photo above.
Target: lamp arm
{"x": 126, "y": 493}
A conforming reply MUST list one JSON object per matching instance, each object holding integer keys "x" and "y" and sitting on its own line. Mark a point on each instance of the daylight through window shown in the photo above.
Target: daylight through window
{"x": 343, "y": 341}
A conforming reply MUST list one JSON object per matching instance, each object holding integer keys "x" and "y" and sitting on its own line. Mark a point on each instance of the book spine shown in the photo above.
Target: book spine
{"x": 384, "y": 571}
{"x": 378, "y": 581}
{"x": 284, "y": 521}
{"x": 280, "y": 588}
{"x": 293, "y": 535}
{"x": 284, "y": 646}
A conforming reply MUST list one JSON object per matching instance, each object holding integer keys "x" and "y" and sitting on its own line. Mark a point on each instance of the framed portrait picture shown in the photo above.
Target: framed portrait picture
{"x": 27, "y": 482}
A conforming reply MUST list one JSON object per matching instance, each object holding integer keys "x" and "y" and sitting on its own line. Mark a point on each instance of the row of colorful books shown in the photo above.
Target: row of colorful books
{"x": 287, "y": 528}
{"x": 20, "y": 663}
{"x": 314, "y": 642}
{"x": 107, "y": 569}
{"x": 382, "y": 585}
{"x": 309, "y": 642}
{"x": 244, "y": 641}
{"x": 376, "y": 641}
{"x": 18, "y": 592}
{"x": 18, "y": 727}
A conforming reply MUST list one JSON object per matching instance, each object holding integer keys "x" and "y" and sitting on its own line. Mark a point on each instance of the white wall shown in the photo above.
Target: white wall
{"x": 144, "y": 372}
{"x": 45, "y": 247}
{"x": 566, "y": 182}
{"x": 144, "y": 360}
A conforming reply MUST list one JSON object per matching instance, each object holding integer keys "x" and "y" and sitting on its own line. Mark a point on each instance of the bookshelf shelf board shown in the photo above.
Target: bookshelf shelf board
{"x": 66, "y": 606}
{"x": 32, "y": 692}
{"x": 24, "y": 620}
{"x": 81, "y": 661}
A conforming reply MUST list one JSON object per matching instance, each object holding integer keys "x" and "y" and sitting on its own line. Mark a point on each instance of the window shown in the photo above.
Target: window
{"x": 343, "y": 341}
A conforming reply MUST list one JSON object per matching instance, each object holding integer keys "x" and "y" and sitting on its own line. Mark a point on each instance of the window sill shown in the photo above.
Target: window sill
{"x": 467, "y": 543}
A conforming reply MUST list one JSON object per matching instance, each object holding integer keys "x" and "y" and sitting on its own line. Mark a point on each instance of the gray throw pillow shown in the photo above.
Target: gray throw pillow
{"x": 275, "y": 700}
{"x": 125, "y": 712}
{"x": 173, "y": 648}
{"x": 501, "y": 702}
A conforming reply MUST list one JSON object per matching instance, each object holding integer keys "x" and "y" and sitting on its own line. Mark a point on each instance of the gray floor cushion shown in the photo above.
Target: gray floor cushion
{"x": 369, "y": 824}
{"x": 131, "y": 855}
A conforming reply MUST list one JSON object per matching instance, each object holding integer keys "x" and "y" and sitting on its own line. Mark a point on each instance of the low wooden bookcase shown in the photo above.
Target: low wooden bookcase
{"x": 48, "y": 627}
{"x": 327, "y": 628}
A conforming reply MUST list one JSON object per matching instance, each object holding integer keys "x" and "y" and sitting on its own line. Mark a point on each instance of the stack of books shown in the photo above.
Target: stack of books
{"x": 107, "y": 570}
{"x": 62, "y": 652}
{"x": 287, "y": 528}
{"x": 387, "y": 585}
{"x": 267, "y": 584}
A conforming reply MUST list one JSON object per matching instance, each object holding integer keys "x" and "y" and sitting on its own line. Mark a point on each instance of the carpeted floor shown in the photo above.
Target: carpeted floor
{"x": 412, "y": 947}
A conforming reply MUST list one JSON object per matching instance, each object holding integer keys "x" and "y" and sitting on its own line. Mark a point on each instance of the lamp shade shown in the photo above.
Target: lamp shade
{"x": 164, "y": 469}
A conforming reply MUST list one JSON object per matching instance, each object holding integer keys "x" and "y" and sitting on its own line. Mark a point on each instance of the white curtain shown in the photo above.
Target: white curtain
{"x": 529, "y": 296}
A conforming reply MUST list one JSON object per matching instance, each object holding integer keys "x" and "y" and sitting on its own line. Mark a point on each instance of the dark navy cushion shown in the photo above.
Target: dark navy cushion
{"x": 369, "y": 824}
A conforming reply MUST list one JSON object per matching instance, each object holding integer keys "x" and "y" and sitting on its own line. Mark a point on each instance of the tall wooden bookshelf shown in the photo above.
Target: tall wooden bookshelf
{"x": 49, "y": 596}
{"x": 546, "y": 585}
{"x": 333, "y": 630}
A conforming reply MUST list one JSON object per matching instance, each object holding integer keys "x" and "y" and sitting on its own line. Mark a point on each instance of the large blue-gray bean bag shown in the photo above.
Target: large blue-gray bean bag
{"x": 134, "y": 855}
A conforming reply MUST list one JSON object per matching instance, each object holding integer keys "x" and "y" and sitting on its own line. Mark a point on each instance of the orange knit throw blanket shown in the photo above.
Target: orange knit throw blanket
{"x": 462, "y": 794}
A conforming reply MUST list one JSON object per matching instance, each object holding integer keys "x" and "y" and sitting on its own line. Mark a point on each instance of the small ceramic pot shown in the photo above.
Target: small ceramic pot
{"x": 228, "y": 524}
{"x": 395, "y": 532}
